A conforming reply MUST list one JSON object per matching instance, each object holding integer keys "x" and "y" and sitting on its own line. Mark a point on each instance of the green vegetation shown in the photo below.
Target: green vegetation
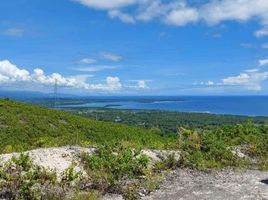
{"x": 23, "y": 127}
{"x": 164, "y": 121}
{"x": 216, "y": 147}
{"x": 21, "y": 179}
{"x": 117, "y": 165}
{"x": 109, "y": 165}
{"x": 26, "y": 127}
{"x": 117, "y": 170}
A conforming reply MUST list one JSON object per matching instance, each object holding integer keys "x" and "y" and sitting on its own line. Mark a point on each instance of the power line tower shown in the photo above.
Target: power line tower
{"x": 55, "y": 93}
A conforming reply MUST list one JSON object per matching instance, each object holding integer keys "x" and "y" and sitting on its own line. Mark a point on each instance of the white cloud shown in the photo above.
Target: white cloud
{"x": 96, "y": 68}
{"x": 263, "y": 62}
{"x": 110, "y": 56}
{"x": 10, "y": 72}
{"x": 3, "y": 78}
{"x": 252, "y": 70}
{"x": 179, "y": 12}
{"x": 122, "y": 16}
{"x": 112, "y": 84}
{"x": 88, "y": 61}
{"x": 208, "y": 83}
{"x": 139, "y": 84}
{"x": 106, "y": 4}
{"x": 13, "y": 32}
{"x": 251, "y": 81}
{"x": 182, "y": 16}
{"x": 150, "y": 10}
{"x": 262, "y": 32}
{"x": 240, "y": 10}
{"x": 142, "y": 84}
{"x": 11, "y": 75}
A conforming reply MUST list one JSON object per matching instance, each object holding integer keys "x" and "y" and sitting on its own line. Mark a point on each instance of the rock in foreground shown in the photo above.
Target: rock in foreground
{"x": 214, "y": 185}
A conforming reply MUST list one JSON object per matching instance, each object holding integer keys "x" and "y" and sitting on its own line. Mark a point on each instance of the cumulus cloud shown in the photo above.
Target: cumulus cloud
{"x": 112, "y": 84}
{"x": 182, "y": 16}
{"x": 240, "y": 10}
{"x": 11, "y": 74}
{"x": 181, "y": 12}
{"x": 263, "y": 62}
{"x": 251, "y": 81}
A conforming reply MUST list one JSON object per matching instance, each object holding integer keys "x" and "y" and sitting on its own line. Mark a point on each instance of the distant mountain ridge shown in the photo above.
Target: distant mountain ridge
{"x": 22, "y": 95}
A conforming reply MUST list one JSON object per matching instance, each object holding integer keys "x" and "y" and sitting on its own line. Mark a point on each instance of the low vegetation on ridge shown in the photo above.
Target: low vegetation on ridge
{"x": 117, "y": 166}
{"x": 24, "y": 127}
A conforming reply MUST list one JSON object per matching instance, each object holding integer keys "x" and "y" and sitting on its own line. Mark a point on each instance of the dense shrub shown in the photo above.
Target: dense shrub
{"x": 214, "y": 147}
{"x": 21, "y": 179}
{"x": 110, "y": 166}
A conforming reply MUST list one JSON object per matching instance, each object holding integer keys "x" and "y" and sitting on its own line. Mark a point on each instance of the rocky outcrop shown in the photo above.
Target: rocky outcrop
{"x": 213, "y": 185}
{"x": 60, "y": 158}
{"x": 231, "y": 184}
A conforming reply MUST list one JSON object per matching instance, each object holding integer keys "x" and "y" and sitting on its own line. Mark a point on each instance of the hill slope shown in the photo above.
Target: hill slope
{"x": 24, "y": 127}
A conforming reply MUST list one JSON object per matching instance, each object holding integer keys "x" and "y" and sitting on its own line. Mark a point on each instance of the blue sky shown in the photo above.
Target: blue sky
{"x": 135, "y": 47}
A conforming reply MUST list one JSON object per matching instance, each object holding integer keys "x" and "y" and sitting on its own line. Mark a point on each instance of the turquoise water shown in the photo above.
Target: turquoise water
{"x": 238, "y": 105}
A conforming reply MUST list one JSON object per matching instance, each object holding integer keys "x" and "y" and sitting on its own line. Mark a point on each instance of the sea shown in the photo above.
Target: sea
{"x": 233, "y": 105}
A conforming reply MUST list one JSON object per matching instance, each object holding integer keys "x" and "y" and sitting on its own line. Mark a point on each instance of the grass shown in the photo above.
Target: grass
{"x": 24, "y": 127}
{"x": 117, "y": 165}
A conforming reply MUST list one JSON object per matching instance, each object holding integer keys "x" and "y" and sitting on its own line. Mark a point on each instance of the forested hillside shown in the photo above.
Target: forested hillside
{"x": 165, "y": 121}
{"x": 24, "y": 126}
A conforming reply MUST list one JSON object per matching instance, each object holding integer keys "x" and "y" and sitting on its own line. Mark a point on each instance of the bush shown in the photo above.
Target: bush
{"x": 21, "y": 179}
{"x": 109, "y": 166}
{"x": 212, "y": 148}
{"x": 169, "y": 163}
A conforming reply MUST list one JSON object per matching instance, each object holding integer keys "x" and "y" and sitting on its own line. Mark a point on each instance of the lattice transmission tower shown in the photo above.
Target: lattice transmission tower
{"x": 55, "y": 93}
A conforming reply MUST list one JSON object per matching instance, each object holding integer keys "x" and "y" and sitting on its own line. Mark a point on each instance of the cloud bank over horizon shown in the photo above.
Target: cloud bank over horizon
{"x": 11, "y": 75}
